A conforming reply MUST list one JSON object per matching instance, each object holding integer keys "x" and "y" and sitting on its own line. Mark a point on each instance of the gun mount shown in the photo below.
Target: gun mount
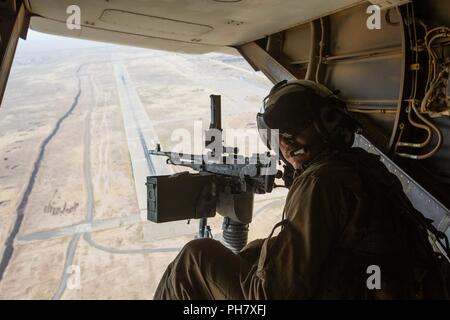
{"x": 225, "y": 183}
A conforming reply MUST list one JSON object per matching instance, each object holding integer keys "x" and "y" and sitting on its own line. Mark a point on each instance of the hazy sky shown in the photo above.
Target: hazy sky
{"x": 37, "y": 41}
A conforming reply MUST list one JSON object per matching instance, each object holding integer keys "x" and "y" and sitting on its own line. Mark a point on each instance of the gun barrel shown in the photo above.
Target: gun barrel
{"x": 179, "y": 158}
{"x": 252, "y": 173}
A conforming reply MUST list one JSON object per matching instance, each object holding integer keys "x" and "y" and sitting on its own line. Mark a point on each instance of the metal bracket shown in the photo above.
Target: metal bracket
{"x": 259, "y": 59}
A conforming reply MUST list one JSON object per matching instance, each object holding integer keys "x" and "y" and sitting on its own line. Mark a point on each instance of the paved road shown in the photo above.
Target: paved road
{"x": 140, "y": 137}
{"x": 82, "y": 227}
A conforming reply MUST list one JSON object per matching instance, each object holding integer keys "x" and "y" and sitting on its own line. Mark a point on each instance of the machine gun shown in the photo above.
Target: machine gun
{"x": 225, "y": 183}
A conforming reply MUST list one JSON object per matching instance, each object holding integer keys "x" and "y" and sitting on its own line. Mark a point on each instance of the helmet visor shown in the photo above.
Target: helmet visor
{"x": 290, "y": 112}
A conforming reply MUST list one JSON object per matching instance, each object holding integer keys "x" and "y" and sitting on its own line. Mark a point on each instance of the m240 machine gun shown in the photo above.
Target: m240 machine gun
{"x": 225, "y": 183}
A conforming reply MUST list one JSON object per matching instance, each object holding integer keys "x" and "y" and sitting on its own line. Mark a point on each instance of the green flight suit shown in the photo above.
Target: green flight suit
{"x": 342, "y": 214}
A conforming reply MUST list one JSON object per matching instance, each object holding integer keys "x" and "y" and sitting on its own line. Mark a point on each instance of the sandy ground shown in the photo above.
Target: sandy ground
{"x": 36, "y": 270}
{"x": 81, "y": 210}
{"x": 26, "y": 118}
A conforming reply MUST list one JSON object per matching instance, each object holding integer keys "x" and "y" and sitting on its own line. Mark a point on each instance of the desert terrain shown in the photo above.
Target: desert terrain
{"x": 71, "y": 212}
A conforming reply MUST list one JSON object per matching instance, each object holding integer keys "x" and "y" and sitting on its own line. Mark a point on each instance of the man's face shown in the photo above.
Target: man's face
{"x": 308, "y": 139}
